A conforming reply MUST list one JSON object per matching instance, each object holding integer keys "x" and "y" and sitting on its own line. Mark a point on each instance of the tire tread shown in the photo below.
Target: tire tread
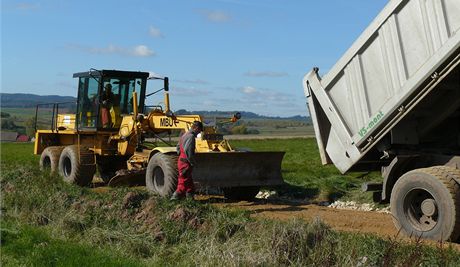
{"x": 449, "y": 177}
{"x": 168, "y": 163}
{"x": 84, "y": 167}
{"x": 53, "y": 152}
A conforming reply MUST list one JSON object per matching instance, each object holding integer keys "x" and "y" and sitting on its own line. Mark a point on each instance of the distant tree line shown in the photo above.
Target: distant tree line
{"x": 31, "y": 100}
{"x": 236, "y": 129}
{"x": 245, "y": 115}
{"x": 9, "y": 123}
{"x": 250, "y": 122}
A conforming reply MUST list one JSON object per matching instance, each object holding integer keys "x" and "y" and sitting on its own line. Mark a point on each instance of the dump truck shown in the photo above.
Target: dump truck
{"x": 392, "y": 102}
{"x": 114, "y": 140}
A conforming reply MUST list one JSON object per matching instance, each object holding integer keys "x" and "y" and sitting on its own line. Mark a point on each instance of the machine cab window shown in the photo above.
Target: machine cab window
{"x": 104, "y": 96}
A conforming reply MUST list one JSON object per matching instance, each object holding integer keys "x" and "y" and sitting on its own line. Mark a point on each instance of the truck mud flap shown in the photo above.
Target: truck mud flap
{"x": 236, "y": 169}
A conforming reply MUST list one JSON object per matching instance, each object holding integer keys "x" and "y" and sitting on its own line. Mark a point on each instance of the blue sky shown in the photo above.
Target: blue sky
{"x": 248, "y": 55}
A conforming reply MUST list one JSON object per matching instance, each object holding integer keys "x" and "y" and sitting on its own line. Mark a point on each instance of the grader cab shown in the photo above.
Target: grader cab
{"x": 110, "y": 135}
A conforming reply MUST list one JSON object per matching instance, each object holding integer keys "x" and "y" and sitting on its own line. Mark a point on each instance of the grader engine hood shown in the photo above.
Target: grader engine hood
{"x": 235, "y": 169}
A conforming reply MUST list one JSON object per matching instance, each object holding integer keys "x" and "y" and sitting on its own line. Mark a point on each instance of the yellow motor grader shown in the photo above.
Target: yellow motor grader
{"x": 78, "y": 145}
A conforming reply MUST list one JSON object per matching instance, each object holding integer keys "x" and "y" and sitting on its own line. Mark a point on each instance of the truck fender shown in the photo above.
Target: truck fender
{"x": 391, "y": 173}
{"x": 164, "y": 150}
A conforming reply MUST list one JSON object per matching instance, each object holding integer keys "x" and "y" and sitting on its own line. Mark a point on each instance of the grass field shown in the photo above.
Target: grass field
{"x": 287, "y": 131}
{"x": 21, "y": 115}
{"x": 46, "y": 222}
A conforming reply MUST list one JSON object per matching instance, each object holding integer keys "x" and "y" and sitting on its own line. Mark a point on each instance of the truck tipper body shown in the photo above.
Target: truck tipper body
{"x": 393, "y": 102}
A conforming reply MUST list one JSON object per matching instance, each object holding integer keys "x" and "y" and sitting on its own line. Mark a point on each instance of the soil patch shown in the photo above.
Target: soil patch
{"x": 365, "y": 222}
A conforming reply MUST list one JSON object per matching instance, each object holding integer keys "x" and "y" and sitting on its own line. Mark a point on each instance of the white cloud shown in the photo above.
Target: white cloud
{"x": 142, "y": 51}
{"x": 137, "y": 51}
{"x": 249, "y": 90}
{"x": 189, "y": 91}
{"x": 26, "y": 6}
{"x": 254, "y": 96}
{"x": 216, "y": 16}
{"x": 196, "y": 81}
{"x": 262, "y": 101}
{"x": 155, "y": 32}
{"x": 265, "y": 74}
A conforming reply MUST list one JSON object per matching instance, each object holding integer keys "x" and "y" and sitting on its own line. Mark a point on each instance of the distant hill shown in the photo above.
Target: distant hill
{"x": 31, "y": 100}
{"x": 244, "y": 115}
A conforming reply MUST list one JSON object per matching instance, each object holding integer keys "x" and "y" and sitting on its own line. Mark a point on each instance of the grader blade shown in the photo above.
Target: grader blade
{"x": 238, "y": 169}
{"x": 128, "y": 178}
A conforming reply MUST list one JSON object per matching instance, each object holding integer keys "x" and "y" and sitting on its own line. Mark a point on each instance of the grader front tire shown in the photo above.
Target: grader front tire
{"x": 161, "y": 174}
{"x": 76, "y": 166}
{"x": 426, "y": 203}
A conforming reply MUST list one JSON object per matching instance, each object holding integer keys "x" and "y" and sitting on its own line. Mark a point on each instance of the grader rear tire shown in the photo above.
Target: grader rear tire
{"x": 49, "y": 159}
{"x": 426, "y": 203}
{"x": 161, "y": 174}
{"x": 76, "y": 166}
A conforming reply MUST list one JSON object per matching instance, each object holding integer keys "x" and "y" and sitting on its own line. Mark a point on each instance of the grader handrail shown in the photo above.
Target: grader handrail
{"x": 54, "y": 115}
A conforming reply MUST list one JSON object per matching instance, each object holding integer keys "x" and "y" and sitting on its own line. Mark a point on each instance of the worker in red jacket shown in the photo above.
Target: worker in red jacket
{"x": 186, "y": 162}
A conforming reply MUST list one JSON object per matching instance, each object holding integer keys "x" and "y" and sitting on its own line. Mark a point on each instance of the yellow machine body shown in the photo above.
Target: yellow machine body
{"x": 124, "y": 142}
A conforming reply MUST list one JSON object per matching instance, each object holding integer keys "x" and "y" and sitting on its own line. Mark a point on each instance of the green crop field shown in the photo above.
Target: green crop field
{"x": 20, "y": 113}
{"x": 47, "y": 222}
{"x": 287, "y": 131}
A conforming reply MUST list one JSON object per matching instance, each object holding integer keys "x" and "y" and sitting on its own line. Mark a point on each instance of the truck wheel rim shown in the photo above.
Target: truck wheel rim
{"x": 421, "y": 210}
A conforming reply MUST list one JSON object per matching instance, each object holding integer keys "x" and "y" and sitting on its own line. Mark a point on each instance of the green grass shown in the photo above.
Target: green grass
{"x": 46, "y": 222}
{"x": 33, "y": 246}
{"x": 287, "y": 131}
{"x": 307, "y": 178}
{"x": 20, "y": 113}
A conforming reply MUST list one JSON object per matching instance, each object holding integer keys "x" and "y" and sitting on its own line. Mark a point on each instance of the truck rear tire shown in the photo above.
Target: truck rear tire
{"x": 241, "y": 192}
{"x": 161, "y": 174}
{"x": 49, "y": 159}
{"x": 76, "y": 166}
{"x": 426, "y": 202}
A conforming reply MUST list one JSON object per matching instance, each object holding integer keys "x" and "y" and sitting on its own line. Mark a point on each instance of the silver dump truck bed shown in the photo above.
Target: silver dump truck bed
{"x": 407, "y": 58}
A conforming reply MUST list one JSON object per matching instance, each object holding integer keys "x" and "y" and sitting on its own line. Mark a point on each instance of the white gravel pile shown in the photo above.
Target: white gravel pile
{"x": 267, "y": 195}
{"x": 352, "y": 205}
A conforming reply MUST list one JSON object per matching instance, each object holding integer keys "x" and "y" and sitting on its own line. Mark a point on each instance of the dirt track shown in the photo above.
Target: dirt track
{"x": 366, "y": 222}
{"x": 342, "y": 220}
